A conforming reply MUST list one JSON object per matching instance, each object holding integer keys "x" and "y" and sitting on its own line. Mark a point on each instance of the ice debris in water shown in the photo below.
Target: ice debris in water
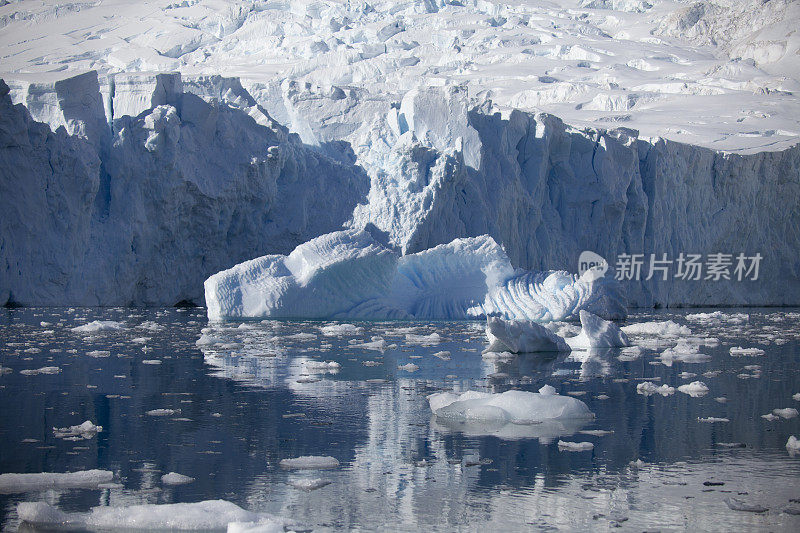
{"x": 597, "y": 333}
{"x": 737, "y": 504}
{"x": 338, "y": 330}
{"x": 788, "y": 412}
{"x": 796, "y": 397}
{"x": 202, "y": 516}
{"x": 408, "y": 367}
{"x": 712, "y": 419}
{"x": 695, "y": 389}
{"x": 10, "y": 483}
{"x": 520, "y": 336}
{"x": 309, "y": 484}
{"x": 86, "y": 430}
{"x": 666, "y": 328}
{"x": 738, "y": 351}
{"x": 683, "y": 352}
{"x": 514, "y": 406}
{"x": 424, "y": 340}
{"x": 648, "y": 388}
{"x": 310, "y": 462}
{"x": 43, "y": 370}
{"x": 575, "y": 446}
{"x": 97, "y": 326}
{"x": 793, "y": 445}
{"x": 769, "y": 417}
{"x": 445, "y": 356}
{"x": 173, "y": 478}
{"x": 321, "y": 366}
{"x": 349, "y": 274}
{"x": 161, "y": 412}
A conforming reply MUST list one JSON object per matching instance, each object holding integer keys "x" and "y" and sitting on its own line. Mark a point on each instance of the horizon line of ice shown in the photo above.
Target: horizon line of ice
{"x": 348, "y": 274}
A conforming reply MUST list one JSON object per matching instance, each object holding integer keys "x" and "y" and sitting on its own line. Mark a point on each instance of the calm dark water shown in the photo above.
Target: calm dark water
{"x": 246, "y": 402}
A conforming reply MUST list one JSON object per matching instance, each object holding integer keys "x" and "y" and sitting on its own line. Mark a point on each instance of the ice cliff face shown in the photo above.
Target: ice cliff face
{"x": 142, "y": 208}
{"x": 134, "y": 212}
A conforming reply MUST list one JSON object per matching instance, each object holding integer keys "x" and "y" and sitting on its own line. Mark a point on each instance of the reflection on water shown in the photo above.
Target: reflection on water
{"x": 237, "y": 398}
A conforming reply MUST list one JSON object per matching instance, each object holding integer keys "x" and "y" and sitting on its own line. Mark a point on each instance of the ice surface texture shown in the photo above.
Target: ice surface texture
{"x": 347, "y": 274}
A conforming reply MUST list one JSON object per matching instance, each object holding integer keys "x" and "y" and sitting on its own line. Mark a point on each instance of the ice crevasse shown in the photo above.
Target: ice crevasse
{"x": 350, "y": 274}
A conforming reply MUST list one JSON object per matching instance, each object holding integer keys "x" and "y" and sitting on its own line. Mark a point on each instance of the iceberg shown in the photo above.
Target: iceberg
{"x": 597, "y": 333}
{"x": 518, "y": 336}
{"x": 349, "y": 274}
{"x": 87, "y": 479}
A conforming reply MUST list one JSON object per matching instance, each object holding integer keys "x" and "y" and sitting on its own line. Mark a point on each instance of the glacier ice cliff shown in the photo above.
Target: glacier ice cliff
{"x": 148, "y": 183}
{"x": 347, "y": 274}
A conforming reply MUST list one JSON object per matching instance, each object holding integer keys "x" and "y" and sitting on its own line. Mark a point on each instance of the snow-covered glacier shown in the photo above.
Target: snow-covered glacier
{"x": 135, "y": 171}
{"x": 348, "y": 274}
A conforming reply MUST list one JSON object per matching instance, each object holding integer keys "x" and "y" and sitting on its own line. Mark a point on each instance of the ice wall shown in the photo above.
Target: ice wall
{"x": 166, "y": 181}
{"x": 184, "y": 188}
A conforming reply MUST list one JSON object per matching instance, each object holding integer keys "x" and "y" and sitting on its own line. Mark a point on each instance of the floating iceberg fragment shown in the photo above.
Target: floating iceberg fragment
{"x": 521, "y": 336}
{"x": 99, "y": 325}
{"x": 648, "y": 388}
{"x": 683, "y": 352}
{"x": 87, "y": 430}
{"x": 695, "y": 389}
{"x": 43, "y": 370}
{"x": 788, "y": 412}
{"x": 10, "y": 483}
{"x": 310, "y": 462}
{"x": 597, "y": 333}
{"x": 666, "y": 328}
{"x": 793, "y": 445}
{"x": 738, "y": 351}
{"x": 347, "y": 274}
{"x": 203, "y": 516}
{"x": 575, "y": 446}
{"x": 173, "y": 478}
{"x": 516, "y": 407}
{"x": 309, "y": 484}
{"x": 337, "y": 330}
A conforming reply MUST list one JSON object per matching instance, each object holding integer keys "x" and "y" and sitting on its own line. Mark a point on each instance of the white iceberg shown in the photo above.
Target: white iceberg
{"x": 173, "y": 478}
{"x": 738, "y": 351}
{"x": 87, "y": 479}
{"x": 787, "y": 412}
{"x": 575, "y": 446}
{"x": 666, "y": 328}
{"x": 202, "y": 516}
{"x": 310, "y": 462}
{"x": 515, "y": 407}
{"x": 597, "y": 333}
{"x": 348, "y": 274}
{"x": 683, "y": 352}
{"x": 648, "y": 388}
{"x": 695, "y": 389}
{"x": 97, "y": 326}
{"x": 521, "y": 336}
{"x": 793, "y": 444}
{"x": 86, "y": 430}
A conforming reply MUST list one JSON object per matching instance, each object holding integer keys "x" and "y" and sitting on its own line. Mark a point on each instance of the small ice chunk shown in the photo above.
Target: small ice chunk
{"x": 321, "y": 366}
{"x": 597, "y": 333}
{"x": 310, "y": 462}
{"x": 795, "y": 397}
{"x": 97, "y": 326}
{"x": 683, "y": 352}
{"x": 141, "y": 340}
{"x": 424, "y": 340}
{"x": 648, "y": 388}
{"x": 5, "y": 370}
{"x": 173, "y": 478}
{"x": 695, "y": 389}
{"x": 737, "y": 504}
{"x": 86, "y": 430}
{"x": 793, "y": 445}
{"x": 687, "y": 375}
{"x": 309, "y": 484}
{"x": 161, "y": 412}
{"x": 338, "y": 330}
{"x": 712, "y": 419}
{"x": 738, "y": 351}
{"x": 409, "y": 367}
{"x": 788, "y": 412}
{"x": 445, "y": 356}
{"x": 208, "y": 340}
{"x": 151, "y": 361}
{"x": 378, "y": 345}
{"x": 575, "y": 446}
{"x": 43, "y": 370}
{"x": 86, "y": 479}
{"x": 769, "y": 417}
{"x": 596, "y": 432}
{"x": 521, "y": 336}
{"x": 630, "y": 353}
{"x": 667, "y": 328}
{"x": 98, "y": 353}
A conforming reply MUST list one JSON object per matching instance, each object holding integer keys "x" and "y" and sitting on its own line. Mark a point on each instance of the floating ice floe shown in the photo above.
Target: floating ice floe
{"x": 408, "y": 367}
{"x": 695, "y": 389}
{"x": 86, "y": 430}
{"x": 515, "y": 407}
{"x": 630, "y": 353}
{"x": 99, "y": 354}
{"x": 666, "y": 328}
{"x": 173, "y": 478}
{"x": 788, "y": 412}
{"x": 200, "y": 516}
{"x": 312, "y": 366}
{"x": 597, "y": 333}
{"x": 737, "y": 504}
{"x": 5, "y": 370}
{"x": 86, "y": 479}
{"x": 310, "y": 462}
{"x": 338, "y": 330}
{"x": 738, "y": 351}
{"x": 683, "y": 352}
{"x": 445, "y": 356}
{"x": 424, "y": 340}
{"x": 97, "y": 326}
{"x": 43, "y": 370}
{"x": 575, "y": 446}
{"x": 162, "y": 412}
{"x": 309, "y": 484}
{"x": 349, "y": 274}
{"x": 521, "y": 336}
{"x": 648, "y": 388}
{"x": 796, "y": 397}
{"x": 718, "y": 317}
{"x": 712, "y": 419}
{"x": 769, "y": 417}
{"x": 792, "y": 445}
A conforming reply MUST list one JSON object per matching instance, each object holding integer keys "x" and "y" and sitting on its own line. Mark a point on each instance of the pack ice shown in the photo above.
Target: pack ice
{"x": 348, "y": 274}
